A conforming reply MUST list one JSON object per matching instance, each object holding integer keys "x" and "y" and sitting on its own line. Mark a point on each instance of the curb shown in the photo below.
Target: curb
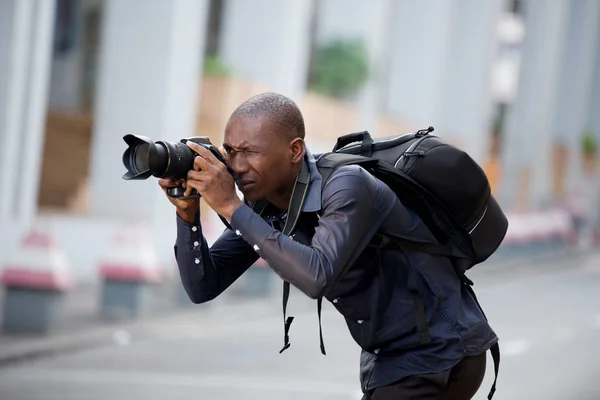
{"x": 21, "y": 350}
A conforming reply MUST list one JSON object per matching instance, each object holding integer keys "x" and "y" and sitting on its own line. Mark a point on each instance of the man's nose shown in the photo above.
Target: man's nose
{"x": 239, "y": 165}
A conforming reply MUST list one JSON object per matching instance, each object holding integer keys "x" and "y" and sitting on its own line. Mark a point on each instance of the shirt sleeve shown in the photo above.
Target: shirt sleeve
{"x": 206, "y": 272}
{"x": 352, "y": 213}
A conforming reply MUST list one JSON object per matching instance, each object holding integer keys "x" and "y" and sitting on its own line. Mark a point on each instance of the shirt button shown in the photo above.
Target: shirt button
{"x": 256, "y": 248}
{"x": 237, "y": 232}
{"x": 196, "y": 244}
{"x": 360, "y": 321}
{"x": 194, "y": 229}
{"x": 376, "y": 351}
{"x": 336, "y": 300}
{"x": 197, "y": 261}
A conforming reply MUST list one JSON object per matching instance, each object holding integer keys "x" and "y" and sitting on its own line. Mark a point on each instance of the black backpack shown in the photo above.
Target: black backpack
{"x": 442, "y": 184}
{"x": 447, "y": 189}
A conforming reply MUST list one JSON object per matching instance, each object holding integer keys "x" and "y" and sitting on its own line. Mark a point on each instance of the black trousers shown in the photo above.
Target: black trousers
{"x": 458, "y": 383}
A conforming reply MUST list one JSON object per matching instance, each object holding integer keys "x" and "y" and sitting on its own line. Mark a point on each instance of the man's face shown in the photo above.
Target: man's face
{"x": 261, "y": 155}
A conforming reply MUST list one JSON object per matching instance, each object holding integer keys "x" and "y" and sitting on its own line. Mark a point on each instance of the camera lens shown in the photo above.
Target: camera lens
{"x": 175, "y": 159}
{"x": 144, "y": 158}
{"x": 140, "y": 158}
{"x": 149, "y": 158}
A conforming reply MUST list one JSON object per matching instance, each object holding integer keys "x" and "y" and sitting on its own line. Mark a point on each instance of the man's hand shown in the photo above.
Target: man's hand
{"x": 214, "y": 183}
{"x": 187, "y": 209}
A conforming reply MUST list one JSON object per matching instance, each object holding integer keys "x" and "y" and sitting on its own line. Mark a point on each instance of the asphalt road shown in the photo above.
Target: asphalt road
{"x": 547, "y": 316}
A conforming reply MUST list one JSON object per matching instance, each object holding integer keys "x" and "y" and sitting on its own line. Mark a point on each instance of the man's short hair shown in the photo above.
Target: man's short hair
{"x": 278, "y": 108}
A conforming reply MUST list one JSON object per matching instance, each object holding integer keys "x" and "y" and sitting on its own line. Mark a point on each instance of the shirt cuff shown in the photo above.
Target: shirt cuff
{"x": 189, "y": 236}
{"x": 248, "y": 224}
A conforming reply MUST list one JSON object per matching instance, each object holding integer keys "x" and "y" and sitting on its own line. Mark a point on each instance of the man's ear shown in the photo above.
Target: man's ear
{"x": 297, "y": 148}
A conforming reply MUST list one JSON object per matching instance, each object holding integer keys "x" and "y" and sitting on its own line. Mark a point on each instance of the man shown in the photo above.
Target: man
{"x": 330, "y": 254}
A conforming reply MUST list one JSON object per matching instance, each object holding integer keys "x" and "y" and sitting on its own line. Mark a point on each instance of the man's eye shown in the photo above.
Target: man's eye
{"x": 246, "y": 152}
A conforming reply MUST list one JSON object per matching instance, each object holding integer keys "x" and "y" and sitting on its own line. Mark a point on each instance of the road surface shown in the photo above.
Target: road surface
{"x": 547, "y": 316}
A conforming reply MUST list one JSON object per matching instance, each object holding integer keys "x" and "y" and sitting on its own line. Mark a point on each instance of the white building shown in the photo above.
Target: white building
{"x": 135, "y": 66}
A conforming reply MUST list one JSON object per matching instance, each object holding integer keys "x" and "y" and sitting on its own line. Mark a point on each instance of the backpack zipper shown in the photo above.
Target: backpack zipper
{"x": 409, "y": 153}
{"x": 480, "y": 219}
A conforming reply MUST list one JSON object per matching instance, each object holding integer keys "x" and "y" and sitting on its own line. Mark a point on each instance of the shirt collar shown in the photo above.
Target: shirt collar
{"x": 312, "y": 202}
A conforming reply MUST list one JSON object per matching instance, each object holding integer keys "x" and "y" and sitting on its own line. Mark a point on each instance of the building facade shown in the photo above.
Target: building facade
{"x": 91, "y": 71}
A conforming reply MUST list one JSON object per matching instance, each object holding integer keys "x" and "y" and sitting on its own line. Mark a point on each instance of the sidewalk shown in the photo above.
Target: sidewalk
{"x": 82, "y": 327}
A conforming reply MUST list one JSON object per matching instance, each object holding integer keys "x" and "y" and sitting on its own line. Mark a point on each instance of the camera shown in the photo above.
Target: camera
{"x": 144, "y": 158}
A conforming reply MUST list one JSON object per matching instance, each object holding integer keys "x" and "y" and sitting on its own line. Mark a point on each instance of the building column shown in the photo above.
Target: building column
{"x": 593, "y": 111}
{"x": 418, "y": 56}
{"x": 465, "y": 105}
{"x": 150, "y": 64}
{"x": 267, "y": 42}
{"x": 34, "y": 125}
{"x": 25, "y": 50}
{"x": 575, "y": 91}
{"x": 149, "y": 74}
{"x": 444, "y": 78}
{"x": 593, "y": 124}
{"x": 16, "y": 19}
{"x": 369, "y": 21}
{"x": 526, "y": 153}
{"x": 67, "y": 63}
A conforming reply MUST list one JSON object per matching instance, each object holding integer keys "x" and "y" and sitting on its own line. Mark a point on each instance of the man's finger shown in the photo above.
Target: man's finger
{"x": 205, "y": 153}
{"x": 167, "y": 183}
{"x": 193, "y": 185}
{"x": 196, "y": 176}
{"x": 188, "y": 188}
{"x": 200, "y": 163}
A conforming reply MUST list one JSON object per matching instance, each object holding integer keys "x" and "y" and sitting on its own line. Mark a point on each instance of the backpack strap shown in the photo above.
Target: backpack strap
{"x": 495, "y": 349}
{"x": 365, "y": 139}
{"x": 419, "y": 308}
{"x": 327, "y": 163}
{"x": 446, "y": 249}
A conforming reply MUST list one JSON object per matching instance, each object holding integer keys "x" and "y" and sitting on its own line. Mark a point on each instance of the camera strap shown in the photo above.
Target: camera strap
{"x": 293, "y": 215}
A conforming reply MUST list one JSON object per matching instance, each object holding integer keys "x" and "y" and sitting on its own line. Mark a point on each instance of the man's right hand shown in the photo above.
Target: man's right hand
{"x": 187, "y": 209}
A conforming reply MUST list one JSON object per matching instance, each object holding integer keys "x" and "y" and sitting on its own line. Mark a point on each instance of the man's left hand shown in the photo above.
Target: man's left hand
{"x": 214, "y": 183}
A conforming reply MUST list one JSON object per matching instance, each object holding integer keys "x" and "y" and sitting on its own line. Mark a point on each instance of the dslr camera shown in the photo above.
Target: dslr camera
{"x": 144, "y": 158}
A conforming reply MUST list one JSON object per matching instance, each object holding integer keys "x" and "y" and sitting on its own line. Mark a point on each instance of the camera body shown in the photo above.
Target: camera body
{"x": 144, "y": 158}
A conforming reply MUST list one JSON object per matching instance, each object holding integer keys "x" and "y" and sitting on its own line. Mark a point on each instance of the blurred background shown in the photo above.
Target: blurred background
{"x": 92, "y": 305}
